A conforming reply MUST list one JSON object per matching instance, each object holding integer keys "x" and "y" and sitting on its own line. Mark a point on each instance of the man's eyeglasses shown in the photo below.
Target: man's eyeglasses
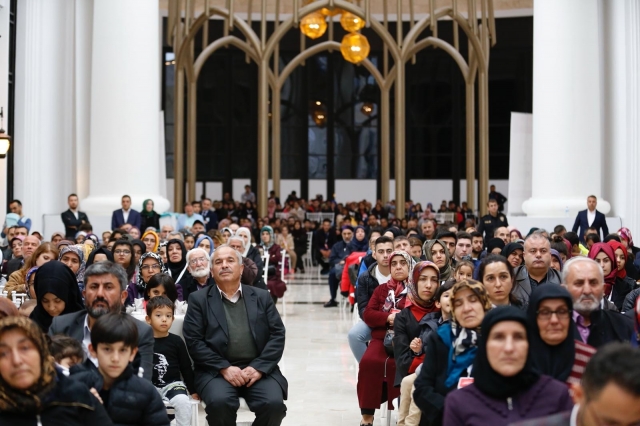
{"x": 125, "y": 252}
{"x": 198, "y": 260}
{"x": 150, "y": 267}
{"x": 546, "y": 314}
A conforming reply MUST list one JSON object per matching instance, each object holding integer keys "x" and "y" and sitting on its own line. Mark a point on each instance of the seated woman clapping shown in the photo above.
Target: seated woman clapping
{"x": 506, "y": 388}
{"x": 450, "y": 352}
{"x": 377, "y": 368}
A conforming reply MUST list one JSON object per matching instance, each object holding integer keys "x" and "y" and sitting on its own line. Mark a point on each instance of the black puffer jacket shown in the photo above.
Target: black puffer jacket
{"x": 69, "y": 404}
{"x": 254, "y": 254}
{"x": 367, "y": 283}
{"x": 132, "y": 400}
{"x": 630, "y": 301}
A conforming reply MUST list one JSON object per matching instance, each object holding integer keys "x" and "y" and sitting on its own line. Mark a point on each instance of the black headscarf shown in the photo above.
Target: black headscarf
{"x": 487, "y": 380}
{"x": 555, "y": 361}
{"x": 176, "y": 268}
{"x": 140, "y": 244}
{"x": 495, "y": 243}
{"x": 56, "y": 278}
{"x": 510, "y": 248}
{"x": 100, "y": 250}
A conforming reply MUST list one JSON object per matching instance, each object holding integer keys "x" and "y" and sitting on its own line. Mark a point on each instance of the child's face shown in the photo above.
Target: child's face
{"x": 416, "y": 251}
{"x": 52, "y": 304}
{"x": 113, "y": 358}
{"x": 464, "y": 273}
{"x": 157, "y": 291}
{"x": 445, "y": 304}
{"x": 161, "y": 319}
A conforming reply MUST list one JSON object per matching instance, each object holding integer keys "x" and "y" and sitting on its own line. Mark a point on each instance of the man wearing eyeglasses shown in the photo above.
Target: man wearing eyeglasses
{"x": 595, "y": 324}
{"x": 198, "y": 266}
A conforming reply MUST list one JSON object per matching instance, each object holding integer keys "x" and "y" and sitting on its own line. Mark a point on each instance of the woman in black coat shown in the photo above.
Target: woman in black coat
{"x": 42, "y": 395}
{"x": 300, "y": 244}
{"x": 149, "y": 217}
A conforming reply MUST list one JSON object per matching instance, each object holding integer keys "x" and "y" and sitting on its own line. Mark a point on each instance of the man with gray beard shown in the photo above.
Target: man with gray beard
{"x": 105, "y": 291}
{"x": 584, "y": 279}
{"x": 198, "y": 264}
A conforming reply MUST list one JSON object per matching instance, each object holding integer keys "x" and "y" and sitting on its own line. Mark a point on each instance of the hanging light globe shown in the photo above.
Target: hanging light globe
{"x": 355, "y": 48}
{"x": 331, "y": 12}
{"x": 313, "y": 25}
{"x": 351, "y": 23}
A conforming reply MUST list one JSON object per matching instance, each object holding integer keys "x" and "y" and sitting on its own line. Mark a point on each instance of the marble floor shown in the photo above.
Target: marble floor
{"x": 317, "y": 361}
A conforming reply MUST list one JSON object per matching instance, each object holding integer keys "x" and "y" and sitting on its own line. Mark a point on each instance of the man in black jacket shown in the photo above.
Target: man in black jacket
{"x": 378, "y": 273}
{"x": 73, "y": 218}
{"x": 595, "y": 326}
{"x": 236, "y": 338}
{"x": 105, "y": 290}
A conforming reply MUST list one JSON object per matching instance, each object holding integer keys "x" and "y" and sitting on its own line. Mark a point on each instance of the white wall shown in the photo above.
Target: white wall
{"x": 4, "y": 77}
{"x": 355, "y": 190}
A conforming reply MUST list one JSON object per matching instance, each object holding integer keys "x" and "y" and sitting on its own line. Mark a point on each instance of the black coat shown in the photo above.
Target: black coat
{"x": 621, "y": 288}
{"x": 405, "y": 329}
{"x": 132, "y": 400}
{"x": 69, "y": 404}
{"x": 430, "y": 384}
{"x": 206, "y": 333}
{"x": 630, "y": 301}
{"x": 367, "y": 284}
{"x": 71, "y": 224}
{"x": 153, "y": 220}
{"x": 608, "y": 326}
{"x": 254, "y": 254}
{"x": 191, "y": 286}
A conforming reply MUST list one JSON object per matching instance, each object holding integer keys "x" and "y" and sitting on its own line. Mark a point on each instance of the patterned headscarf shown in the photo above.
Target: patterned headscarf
{"x": 26, "y": 281}
{"x": 140, "y": 284}
{"x": 154, "y": 235}
{"x": 396, "y": 288}
{"x": 31, "y": 400}
{"x": 412, "y": 287}
{"x": 626, "y": 235}
{"x": 477, "y": 288}
{"x": 445, "y": 272}
{"x": 77, "y": 250}
{"x": 272, "y": 240}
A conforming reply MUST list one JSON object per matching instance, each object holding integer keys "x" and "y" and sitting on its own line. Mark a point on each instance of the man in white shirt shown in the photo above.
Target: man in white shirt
{"x": 126, "y": 215}
{"x": 591, "y": 218}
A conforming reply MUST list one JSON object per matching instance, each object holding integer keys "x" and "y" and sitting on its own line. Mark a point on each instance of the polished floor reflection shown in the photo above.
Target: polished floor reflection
{"x": 317, "y": 361}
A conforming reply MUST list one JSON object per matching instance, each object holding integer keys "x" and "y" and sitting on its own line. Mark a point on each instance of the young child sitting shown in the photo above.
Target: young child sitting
{"x": 67, "y": 352}
{"x": 129, "y": 399}
{"x": 161, "y": 285}
{"x": 170, "y": 359}
{"x": 463, "y": 271}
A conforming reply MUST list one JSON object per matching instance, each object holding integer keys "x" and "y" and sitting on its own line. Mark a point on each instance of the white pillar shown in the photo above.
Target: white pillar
{"x": 4, "y": 93}
{"x": 125, "y": 104}
{"x": 43, "y": 108}
{"x": 631, "y": 172}
{"x": 567, "y": 165}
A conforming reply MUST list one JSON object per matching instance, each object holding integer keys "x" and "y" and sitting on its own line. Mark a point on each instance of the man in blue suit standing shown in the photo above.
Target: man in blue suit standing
{"x": 591, "y": 218}
{"x": 126, "y": 215}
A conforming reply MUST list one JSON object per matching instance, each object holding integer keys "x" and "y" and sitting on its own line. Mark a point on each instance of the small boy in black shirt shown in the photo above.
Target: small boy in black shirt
{"x": 129, "y": 399}
{"x": 170, "y": 359}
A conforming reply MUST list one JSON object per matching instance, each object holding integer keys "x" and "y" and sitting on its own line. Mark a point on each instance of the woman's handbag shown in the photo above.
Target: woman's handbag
{"x": 388, "y": 342}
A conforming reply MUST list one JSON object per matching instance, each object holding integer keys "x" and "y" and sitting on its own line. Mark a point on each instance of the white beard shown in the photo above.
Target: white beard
{"x": 200, "y": 274}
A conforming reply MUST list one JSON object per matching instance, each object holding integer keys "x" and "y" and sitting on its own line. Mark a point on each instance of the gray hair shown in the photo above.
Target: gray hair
{"x": 238, "y": 255}
{"x": 239, "y": 239}
{"x": 193, "y": 251}
{"x": 574, "y": 261}
{"x": 175, "y": 235}
{"x": 105, "y": 268}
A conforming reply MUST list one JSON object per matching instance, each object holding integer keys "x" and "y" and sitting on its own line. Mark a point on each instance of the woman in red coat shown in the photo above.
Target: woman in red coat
{"x": 377, "y": 369}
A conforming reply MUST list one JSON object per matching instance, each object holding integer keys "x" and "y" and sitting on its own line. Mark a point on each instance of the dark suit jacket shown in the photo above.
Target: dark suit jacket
{"x": 206, "y": 333}
{"x": 73, "y": 325}
{"x": 211, "y": 218}
{"x": 608, "y": 326}
{"x": 117, "y": 219}
{"x": 600, "y": 223}
{"x": 71, "y": 224}
{"x": 560, "y": 419}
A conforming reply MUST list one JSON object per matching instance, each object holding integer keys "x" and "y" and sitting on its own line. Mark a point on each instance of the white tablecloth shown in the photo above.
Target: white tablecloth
{"x": 176, "y": 327}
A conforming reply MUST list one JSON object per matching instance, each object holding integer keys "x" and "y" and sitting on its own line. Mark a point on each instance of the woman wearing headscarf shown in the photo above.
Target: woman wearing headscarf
{"x": 100, "y": 255}
{"x": 73, "y": 257}
{"x": 556, "y": 260}
{"x": 226, "y": 233}
{"x": 285, "y": 240}
{"x": 41, "y": 394}
{"x": 177, "y": 264}
{"x": 271, "y": 208}
{"x": 623, "y": 283}
{"x": 252, "y": 253}
{"x": 149, "y": 217}
{"x": 151, "y": 241}
{"x": 149, "y": 265}
{"x": 513, "y": 253}
{"x": 138, "y": 248}
{"x": 606, "y": 258}
{"x": 495, "y": 246}
{"x": 633, "y": 259}
{"x": 57, "y": 294}
{"x": 436, "y": 251}
{"x": 421, "y": 292}
{"x": 450, "y": 352}
{"x": 276, "y": 286}
{"x": 556, "y": 351}
{"x": 206, "y": 243}
{"x": 376, "y": 375}
{"x": 506, "y": 387}
{"x": 359, "y": 242}
{"x": 299, "y": 243}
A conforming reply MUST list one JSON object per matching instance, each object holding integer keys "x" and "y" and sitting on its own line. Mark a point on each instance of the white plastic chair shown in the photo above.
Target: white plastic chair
{"x": 243, "y": 408}
{"x": 284, "y": 256}
{"x": 307, "y": 259}
{"x": 265, "y": 262}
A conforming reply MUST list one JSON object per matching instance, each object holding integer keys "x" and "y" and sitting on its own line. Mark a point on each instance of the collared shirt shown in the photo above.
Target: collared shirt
{"x": 583, "y": 330}
{"x": 591, "y": 216}
{"x": 125, "y": 214}
{"x": 234, "y": 297}
{"x": 574, "y": 415}
{"x": 75, "y": 213}
{"x": 542, "y": 281}
{"x": 86, "y": 340}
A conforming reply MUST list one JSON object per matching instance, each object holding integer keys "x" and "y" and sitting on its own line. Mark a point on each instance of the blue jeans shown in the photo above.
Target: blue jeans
{"x": 358, "y": 337}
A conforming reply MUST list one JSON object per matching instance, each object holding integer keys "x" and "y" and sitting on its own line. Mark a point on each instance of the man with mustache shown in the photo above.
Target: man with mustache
{"x": 198, "y": 266}
{"x": 236, "y": 338}
{"x": 105, "y": 292}
{"x": 536, "y": 269}
{"x": 595, "y": 326}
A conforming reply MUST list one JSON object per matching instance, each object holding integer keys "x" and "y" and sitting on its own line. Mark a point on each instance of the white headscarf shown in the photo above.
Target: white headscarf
{"x": 247, "y": 245}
